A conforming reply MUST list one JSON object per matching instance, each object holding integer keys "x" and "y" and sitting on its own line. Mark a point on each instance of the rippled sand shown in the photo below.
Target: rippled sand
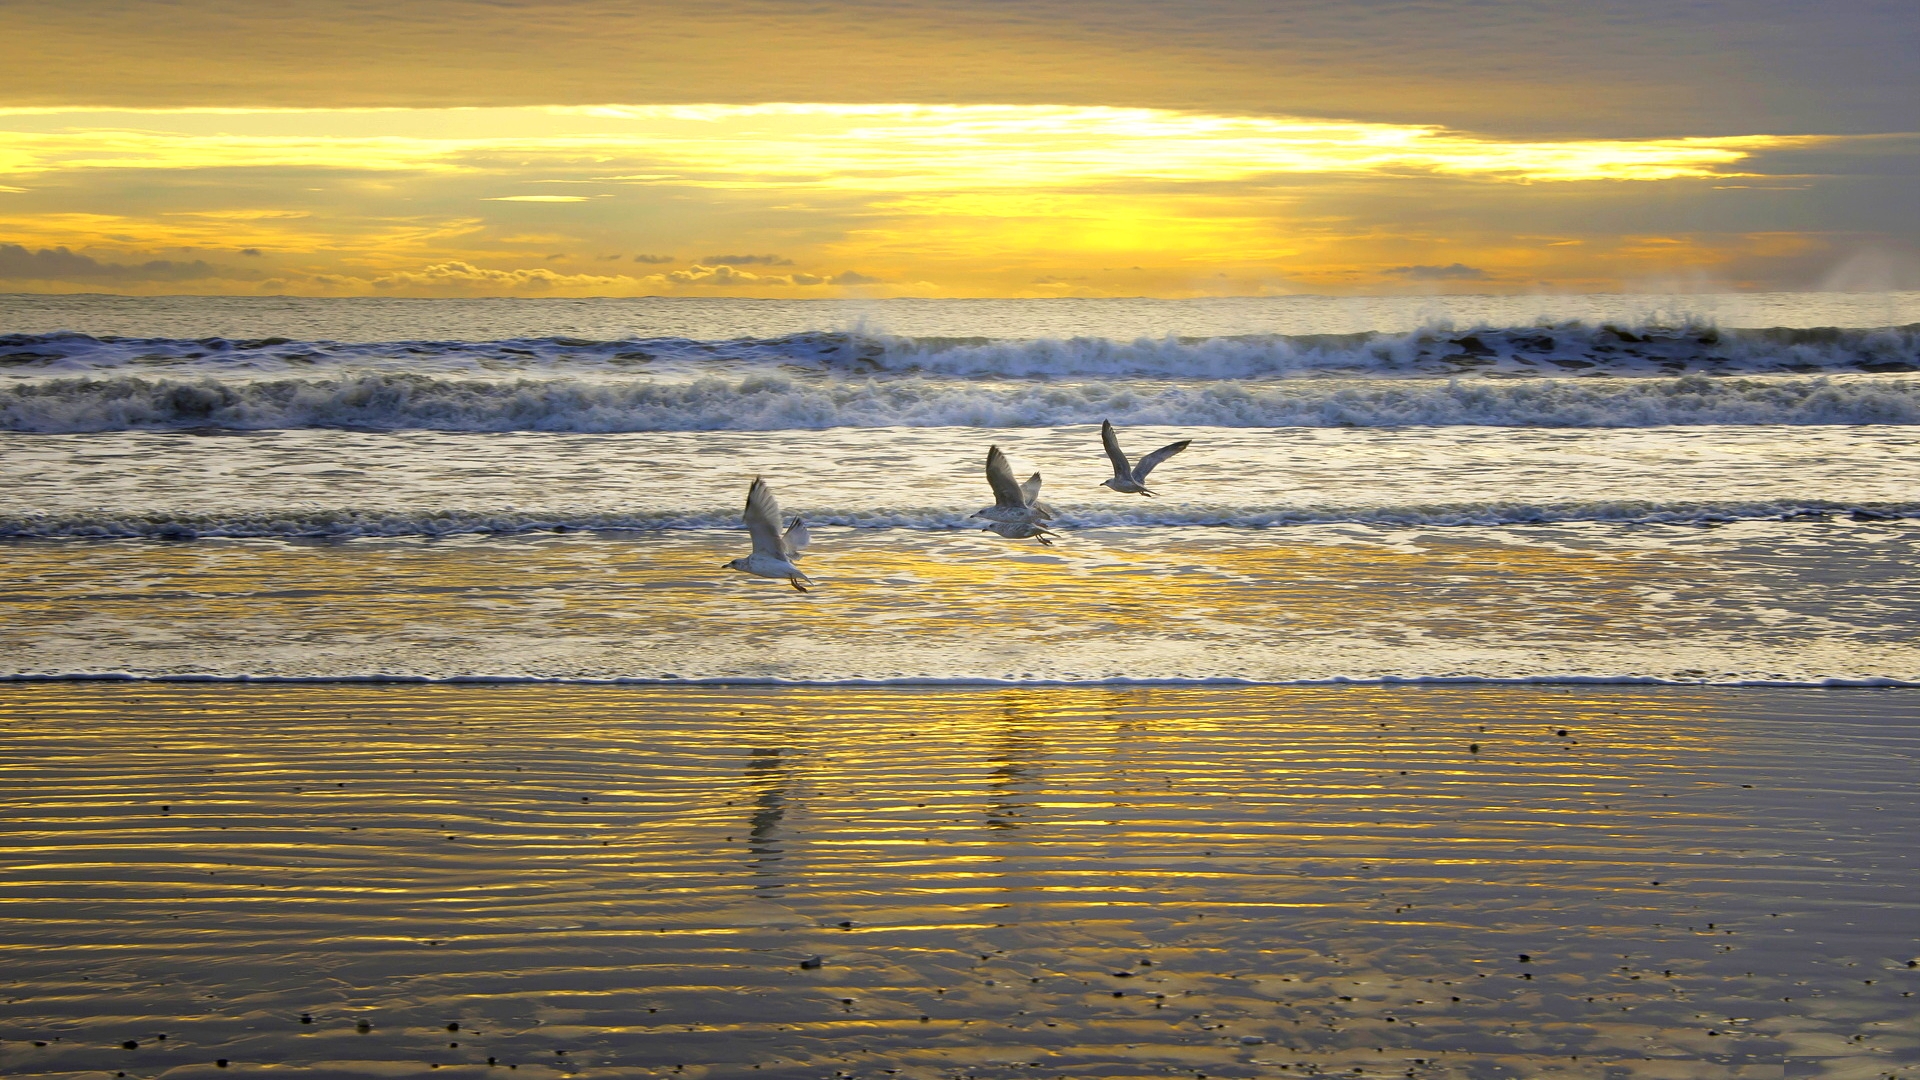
{"x": 607, "y": 881}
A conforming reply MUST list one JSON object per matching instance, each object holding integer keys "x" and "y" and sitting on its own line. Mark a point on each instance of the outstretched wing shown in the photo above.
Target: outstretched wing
{"x": 796, "y": 538}
{"x": 1121, "y": 470}
{"x": 1030, "y": 491}
{"x": 1007, "y": 493}
{"x": 1147, "y": 463}
{"x": 762, "y": 517}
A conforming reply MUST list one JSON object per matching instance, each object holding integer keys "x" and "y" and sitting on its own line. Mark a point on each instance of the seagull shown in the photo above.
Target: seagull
{"x": 1133, "y": 478}
{"x": 1013, "y": 503}
{"x": 774, "y": 553}
{"x": 1020, "y": 530}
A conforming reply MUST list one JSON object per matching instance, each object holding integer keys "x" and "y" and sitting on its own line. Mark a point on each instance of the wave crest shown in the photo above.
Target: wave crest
{"x": 389, "y": 401}
{"x": 1439, "y": 348}
{"x": 346, "y": 524}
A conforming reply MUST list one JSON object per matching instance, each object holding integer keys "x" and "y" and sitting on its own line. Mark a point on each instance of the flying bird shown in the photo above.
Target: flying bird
{"x": 1020, "y": 530}
{"x": 774, "y": 552}
{"x": 1014, "y": 503}
{"x": 1128, "y": 478}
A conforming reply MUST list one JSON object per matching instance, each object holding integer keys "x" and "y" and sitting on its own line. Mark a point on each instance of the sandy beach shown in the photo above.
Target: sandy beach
{"x": 1434, "y": 881}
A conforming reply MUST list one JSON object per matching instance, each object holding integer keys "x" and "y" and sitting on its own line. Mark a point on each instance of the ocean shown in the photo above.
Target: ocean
{"x": 1716, "y": 489}
{"x": 1496, "y": 688}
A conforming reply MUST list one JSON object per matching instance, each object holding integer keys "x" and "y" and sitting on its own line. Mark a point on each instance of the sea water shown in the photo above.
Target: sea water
{"x": 1586, "y": 488}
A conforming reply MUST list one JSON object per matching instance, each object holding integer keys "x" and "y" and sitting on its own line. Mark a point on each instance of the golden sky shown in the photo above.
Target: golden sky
{"x": 982, "y": 148}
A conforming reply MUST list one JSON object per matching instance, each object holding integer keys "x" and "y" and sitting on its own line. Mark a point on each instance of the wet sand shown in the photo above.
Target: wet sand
{"x": 1438, "y": 881}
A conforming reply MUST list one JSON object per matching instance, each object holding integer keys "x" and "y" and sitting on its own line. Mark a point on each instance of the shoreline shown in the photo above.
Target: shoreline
{"x": 1448, "y": 881}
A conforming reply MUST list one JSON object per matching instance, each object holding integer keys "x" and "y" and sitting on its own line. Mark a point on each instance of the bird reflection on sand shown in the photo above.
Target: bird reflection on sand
{"x": 767, "y": 771}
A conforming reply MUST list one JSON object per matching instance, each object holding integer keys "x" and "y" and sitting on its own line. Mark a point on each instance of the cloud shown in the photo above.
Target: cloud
{"x": 746, "y": 260}
{"x": 462, "y": 278}
{"x": 654, "y": 260}
{"x": 725, "y": 276}
{"x": 1453, "y": 272}
{"x": 60, "y": 264}
{"x": 1531, "y": 64}
{"x": 698, "y": 274}
{"x": 536, "y": 198}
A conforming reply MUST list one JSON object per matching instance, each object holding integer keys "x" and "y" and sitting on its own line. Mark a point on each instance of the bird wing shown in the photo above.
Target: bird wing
{"x": 1121, "y": 470}
{"x": 796, "y": 538}
{"x": 1006, "y": 490}
{"x": 762, "y": 517}
{"x": 1030, "y": 490}
{"x": 1147, "y": 463}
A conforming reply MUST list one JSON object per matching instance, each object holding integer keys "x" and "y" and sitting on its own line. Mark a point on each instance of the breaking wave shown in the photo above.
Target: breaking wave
{"x": 1560, "y": 349}
{"x": 346, "y": 524}
{"x": 394, "y": 401}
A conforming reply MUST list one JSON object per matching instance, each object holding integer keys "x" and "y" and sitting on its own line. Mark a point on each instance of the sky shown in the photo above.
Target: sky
{"x": 780, "y": 148}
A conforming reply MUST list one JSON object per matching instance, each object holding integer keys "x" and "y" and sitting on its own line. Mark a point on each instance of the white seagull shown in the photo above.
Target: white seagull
{"x": 774, "y": 552}
{"x": 1132, "y": 479}
{"x": 1020, "y": 530}
{"x": 1014, "y": 503}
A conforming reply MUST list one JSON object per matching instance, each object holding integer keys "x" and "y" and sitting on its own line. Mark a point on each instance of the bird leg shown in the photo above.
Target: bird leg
{"x": 795, "y": 582}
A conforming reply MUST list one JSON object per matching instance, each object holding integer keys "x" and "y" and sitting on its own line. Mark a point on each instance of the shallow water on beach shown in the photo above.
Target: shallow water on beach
{"x": 1018, "y": 882}
{"x": 1728, "y": 554}
{"x": 1757, "y": 601}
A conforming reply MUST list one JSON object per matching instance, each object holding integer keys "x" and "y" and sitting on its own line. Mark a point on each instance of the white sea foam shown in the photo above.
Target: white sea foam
{"x": 338, "y": 523}
{"x": 770, "y": 402}
{"x": 1561, "y": 375}
{"x": 1811, "y": 682}
{"x": 1438, "y": 348}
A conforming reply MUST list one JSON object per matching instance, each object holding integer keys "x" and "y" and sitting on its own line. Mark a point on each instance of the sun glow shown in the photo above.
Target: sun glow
{"x": 884, "y": 148}
{"x": 881, "y": 199}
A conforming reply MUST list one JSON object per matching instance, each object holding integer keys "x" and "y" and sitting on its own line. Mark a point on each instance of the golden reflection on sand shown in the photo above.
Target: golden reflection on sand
{"x": 1447, "y": 881}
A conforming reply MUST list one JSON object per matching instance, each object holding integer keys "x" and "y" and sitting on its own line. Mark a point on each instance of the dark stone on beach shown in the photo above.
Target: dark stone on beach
{"x": 306, "y": 1018}
{"x": 129, "y": 1045}
{"x": 811, "y": 963}
{"x": 1525, "y": 959}
{"x": 220, "y": 1063}
{"x": 1473, "y": 748}
{"x": 363, "y": 1027}
{"x": 1562, "y": 733}
{"x": 455, "y": 1026}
